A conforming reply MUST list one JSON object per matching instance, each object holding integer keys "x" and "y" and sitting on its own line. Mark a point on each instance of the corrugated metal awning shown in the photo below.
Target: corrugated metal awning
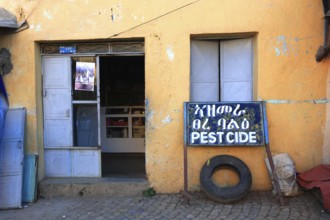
{"x": 8, "y": 20}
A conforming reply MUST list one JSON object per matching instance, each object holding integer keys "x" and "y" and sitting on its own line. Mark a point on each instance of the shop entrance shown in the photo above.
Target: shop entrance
{"x": 122, "y": 112}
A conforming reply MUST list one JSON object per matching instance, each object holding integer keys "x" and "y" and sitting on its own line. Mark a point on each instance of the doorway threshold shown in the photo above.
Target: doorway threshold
{"x": 92, "y": 186}
{"x": 108, "y": 178}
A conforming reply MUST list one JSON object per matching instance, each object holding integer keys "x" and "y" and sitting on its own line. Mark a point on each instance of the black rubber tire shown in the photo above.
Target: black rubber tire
{"x": 225, "y": 194}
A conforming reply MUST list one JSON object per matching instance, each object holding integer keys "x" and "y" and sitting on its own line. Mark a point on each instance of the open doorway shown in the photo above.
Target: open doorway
{"x": 122, "y": 95}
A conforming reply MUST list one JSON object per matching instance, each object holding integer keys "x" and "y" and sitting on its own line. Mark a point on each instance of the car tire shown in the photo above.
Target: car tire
{"x": 225, "y": 194}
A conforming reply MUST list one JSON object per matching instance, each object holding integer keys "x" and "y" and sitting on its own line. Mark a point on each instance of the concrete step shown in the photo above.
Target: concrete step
{"x": 92, "y": 187}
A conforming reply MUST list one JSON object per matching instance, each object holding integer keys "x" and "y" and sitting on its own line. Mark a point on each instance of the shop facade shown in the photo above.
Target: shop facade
{"x": 104, "y": 83}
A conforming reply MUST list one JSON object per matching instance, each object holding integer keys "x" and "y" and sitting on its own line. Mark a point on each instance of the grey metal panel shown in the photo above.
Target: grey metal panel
{"x": 204, "y": 61}
{"x": 238, "y": 91}
{"x": 57, "y": 104}
{"x": 207, "y": 92}
{"x": 86, "y": 163}
{"x": 58, "y": 163}
{"x": 57, "y": 101}
{"x": 14, "y": 124}
{"x": 236, "y": 70}
{"x": 7, "y": 19}
{"x": 204, "y": 66}
{"x": 3, "y": 111}
{"x": 11, "y": 159}
{"x": 56, "y": 72}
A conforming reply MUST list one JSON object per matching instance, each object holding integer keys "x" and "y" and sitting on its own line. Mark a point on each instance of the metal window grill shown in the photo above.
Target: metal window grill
{"x": 97, "y": 48}
{"x": 127, "y": 48}
{"x": 50, "y": 49}
{"x": 93, "y": 48}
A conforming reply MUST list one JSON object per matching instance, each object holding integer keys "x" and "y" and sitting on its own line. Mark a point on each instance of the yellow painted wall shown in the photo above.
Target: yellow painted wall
{"x": 286, "y": 34}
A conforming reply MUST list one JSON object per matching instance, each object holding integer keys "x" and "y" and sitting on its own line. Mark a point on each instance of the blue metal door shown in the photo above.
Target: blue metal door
{"x": 11, "y": 159}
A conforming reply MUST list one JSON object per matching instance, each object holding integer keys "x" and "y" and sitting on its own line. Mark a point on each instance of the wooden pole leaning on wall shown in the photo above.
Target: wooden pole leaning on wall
{"x": 270, "y": 158}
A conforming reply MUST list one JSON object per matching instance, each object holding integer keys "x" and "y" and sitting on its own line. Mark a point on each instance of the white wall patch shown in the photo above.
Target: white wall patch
{"x": 167, "y": 120}
{"x": 48, "y": 15}
{"x": 170, "y": 53}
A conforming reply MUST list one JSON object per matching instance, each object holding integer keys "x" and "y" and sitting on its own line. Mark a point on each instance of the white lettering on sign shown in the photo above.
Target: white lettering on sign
{"x": 245, "y": 124}
{"x": 197, "y": 124}
{"x": 224, "y": 124}
{"x": 253, "y": 137}
{"x": 230, "y": 137}
{"x": 232, "y": 125}
{"x": 212, "y": 111}
{"x": 219, "y": 137}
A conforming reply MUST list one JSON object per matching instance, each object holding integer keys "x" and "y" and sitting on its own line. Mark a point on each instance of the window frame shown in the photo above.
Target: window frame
{"x": 252, "y": 78}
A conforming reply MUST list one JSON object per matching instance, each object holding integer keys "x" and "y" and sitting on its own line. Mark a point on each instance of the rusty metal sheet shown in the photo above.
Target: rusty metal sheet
{"x": 7, "y": 19}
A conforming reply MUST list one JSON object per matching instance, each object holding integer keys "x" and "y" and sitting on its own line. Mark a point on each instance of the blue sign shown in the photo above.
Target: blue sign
{"x": 224, "y": 124}
{"x": 68, "y": 49}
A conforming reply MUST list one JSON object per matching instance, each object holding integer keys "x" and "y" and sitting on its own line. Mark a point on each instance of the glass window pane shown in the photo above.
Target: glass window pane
{"x": 85, "y": 125}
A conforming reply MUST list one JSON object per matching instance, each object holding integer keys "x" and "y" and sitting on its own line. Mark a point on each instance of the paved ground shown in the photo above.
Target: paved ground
{"x": 257, "y": 205}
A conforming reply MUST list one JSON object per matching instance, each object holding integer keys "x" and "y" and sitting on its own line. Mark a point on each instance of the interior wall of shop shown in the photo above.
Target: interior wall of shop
{"x": 287, "y": 35}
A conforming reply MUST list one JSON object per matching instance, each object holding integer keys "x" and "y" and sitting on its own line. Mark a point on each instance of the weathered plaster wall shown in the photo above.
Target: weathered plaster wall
{"x": 288, "y": 34}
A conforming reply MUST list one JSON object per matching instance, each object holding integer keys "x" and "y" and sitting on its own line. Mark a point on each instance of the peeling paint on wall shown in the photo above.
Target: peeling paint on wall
{"x": 32, "y": 112}
{"x": 285, "y": 46}
{"x": 116, "y": 12}
{"x": 34, "y": 27}
{"x": 134, "y": 16}
{"x": 149, "y": 114}
{"x": 170, "y": 53}
{"x": 38, "y": 27}
{"x": 137, "y": 17}
{"x": 282, "y": 47}
{"x": 167, "y": 120}
{"x": 48, "y": 15}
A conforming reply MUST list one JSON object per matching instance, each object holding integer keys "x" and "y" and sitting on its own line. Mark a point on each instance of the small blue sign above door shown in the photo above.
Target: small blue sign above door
{"x": 224, "y": 124}
{"x": 68, "y": 49}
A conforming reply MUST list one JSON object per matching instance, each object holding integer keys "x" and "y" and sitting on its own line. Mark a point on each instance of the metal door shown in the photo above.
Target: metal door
{"x": 62, "y": 157}
{"x": 11, "y": 159}
{"x": 57, "y": 115}
{"x": 57, "y": 101}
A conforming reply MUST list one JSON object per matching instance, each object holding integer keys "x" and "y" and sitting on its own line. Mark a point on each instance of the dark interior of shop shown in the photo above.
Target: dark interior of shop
{"x": 122, "y": 83}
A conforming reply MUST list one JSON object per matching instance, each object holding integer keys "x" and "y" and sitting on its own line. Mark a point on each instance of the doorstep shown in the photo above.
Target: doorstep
{"x": 92, "y": 186}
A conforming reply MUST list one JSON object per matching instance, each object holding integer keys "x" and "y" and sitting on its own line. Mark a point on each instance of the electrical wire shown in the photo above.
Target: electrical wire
{"x": 160, "y": 16}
